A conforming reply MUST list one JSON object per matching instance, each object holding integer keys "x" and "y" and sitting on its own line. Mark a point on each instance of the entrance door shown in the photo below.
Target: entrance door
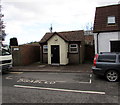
{"x": 115, "y": 46}
{"x": 55, "y": 55}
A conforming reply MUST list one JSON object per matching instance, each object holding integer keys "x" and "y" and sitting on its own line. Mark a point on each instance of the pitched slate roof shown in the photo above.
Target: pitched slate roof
{"x": 67, "y": 36}
{"x": 101, "y": 15}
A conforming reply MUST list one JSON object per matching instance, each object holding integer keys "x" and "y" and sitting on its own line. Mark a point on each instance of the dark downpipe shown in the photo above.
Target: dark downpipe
{"x": 97, "y": 44}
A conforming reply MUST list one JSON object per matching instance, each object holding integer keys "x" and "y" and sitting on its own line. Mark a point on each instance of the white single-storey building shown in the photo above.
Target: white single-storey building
{"x": 62, "y": 48}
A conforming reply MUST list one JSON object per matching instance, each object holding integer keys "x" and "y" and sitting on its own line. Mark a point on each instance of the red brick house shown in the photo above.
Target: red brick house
{"x": 62, "y": 47}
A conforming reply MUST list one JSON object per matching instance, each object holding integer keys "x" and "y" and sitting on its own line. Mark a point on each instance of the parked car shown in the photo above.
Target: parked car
{"x": 5, "y": 60}
{"x": 108, "y": 65}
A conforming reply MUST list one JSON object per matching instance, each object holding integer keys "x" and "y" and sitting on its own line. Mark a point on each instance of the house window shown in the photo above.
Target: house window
{"x": 111, "y": 20}
{"x": 73, "y": 48}
{"x": 45, "y": 49}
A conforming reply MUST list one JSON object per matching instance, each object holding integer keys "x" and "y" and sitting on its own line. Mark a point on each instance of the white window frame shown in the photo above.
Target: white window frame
{"x": 71, "y": 46}
{"x": 45, "y": 47}
{"x": 111, "y": 20}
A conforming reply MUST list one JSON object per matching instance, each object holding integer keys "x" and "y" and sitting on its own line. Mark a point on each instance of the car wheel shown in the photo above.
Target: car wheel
{"x": 112, "y": 76}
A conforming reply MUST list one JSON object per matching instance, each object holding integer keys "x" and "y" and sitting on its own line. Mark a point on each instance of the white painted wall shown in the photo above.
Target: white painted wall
{"x": 104, "y": 40}
{"x": 119, "y": 35}
{"x": 56, "y": 40}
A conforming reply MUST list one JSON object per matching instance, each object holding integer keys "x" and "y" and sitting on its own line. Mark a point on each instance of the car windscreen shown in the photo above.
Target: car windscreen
{"x": 5, "y": 52}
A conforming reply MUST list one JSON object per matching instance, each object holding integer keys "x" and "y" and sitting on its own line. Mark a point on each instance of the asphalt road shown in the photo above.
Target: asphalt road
{"x": 46, "y": 87}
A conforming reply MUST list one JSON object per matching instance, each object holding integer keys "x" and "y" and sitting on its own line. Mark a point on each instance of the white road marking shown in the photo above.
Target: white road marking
{"x": 90, "y": 81}
{"x": 85, "y": 82}
{"x": 51, "y": 82}
{"x": 90, "y": 75}
{"x": 25, "y": 80}
{"x": 64, "y": 90}
{"x": 60, "y": 81}
{"x": 9, "y": 77}
{"x": 90, "y": 78}
{"x": 16, "y": 72}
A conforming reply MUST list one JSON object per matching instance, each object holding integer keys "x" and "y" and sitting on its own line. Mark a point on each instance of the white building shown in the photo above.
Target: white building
{"x": 62, "y": 48}
{"x": 107, "y": 29}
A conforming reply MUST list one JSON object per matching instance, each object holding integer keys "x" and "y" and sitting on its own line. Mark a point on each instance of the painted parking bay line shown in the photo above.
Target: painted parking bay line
{"x": 9, "y": 77}
{"x": 64, "y": 90}
{"x": 90, "y": 81}
{"x": 16, "y": 72}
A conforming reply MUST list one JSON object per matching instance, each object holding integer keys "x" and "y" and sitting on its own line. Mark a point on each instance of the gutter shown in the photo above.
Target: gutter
{"x": 97, "y": 44}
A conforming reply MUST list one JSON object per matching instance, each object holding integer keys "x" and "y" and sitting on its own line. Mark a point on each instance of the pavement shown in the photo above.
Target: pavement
{"x": 37, "y": 67}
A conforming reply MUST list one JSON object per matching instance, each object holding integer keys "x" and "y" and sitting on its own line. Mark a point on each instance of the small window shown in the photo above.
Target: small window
{"x": 73, "y": 48}
{"x": 45, "y": 49}
{"x": 107, "y": 58}
{"x": 111, "y": 20}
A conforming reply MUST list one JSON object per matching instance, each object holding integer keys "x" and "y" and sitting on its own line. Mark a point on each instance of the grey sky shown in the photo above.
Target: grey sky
{"x": 29, "y": 20}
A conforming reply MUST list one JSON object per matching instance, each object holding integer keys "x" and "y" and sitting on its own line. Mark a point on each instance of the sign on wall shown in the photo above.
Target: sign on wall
{"x": 16, "y": 49}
